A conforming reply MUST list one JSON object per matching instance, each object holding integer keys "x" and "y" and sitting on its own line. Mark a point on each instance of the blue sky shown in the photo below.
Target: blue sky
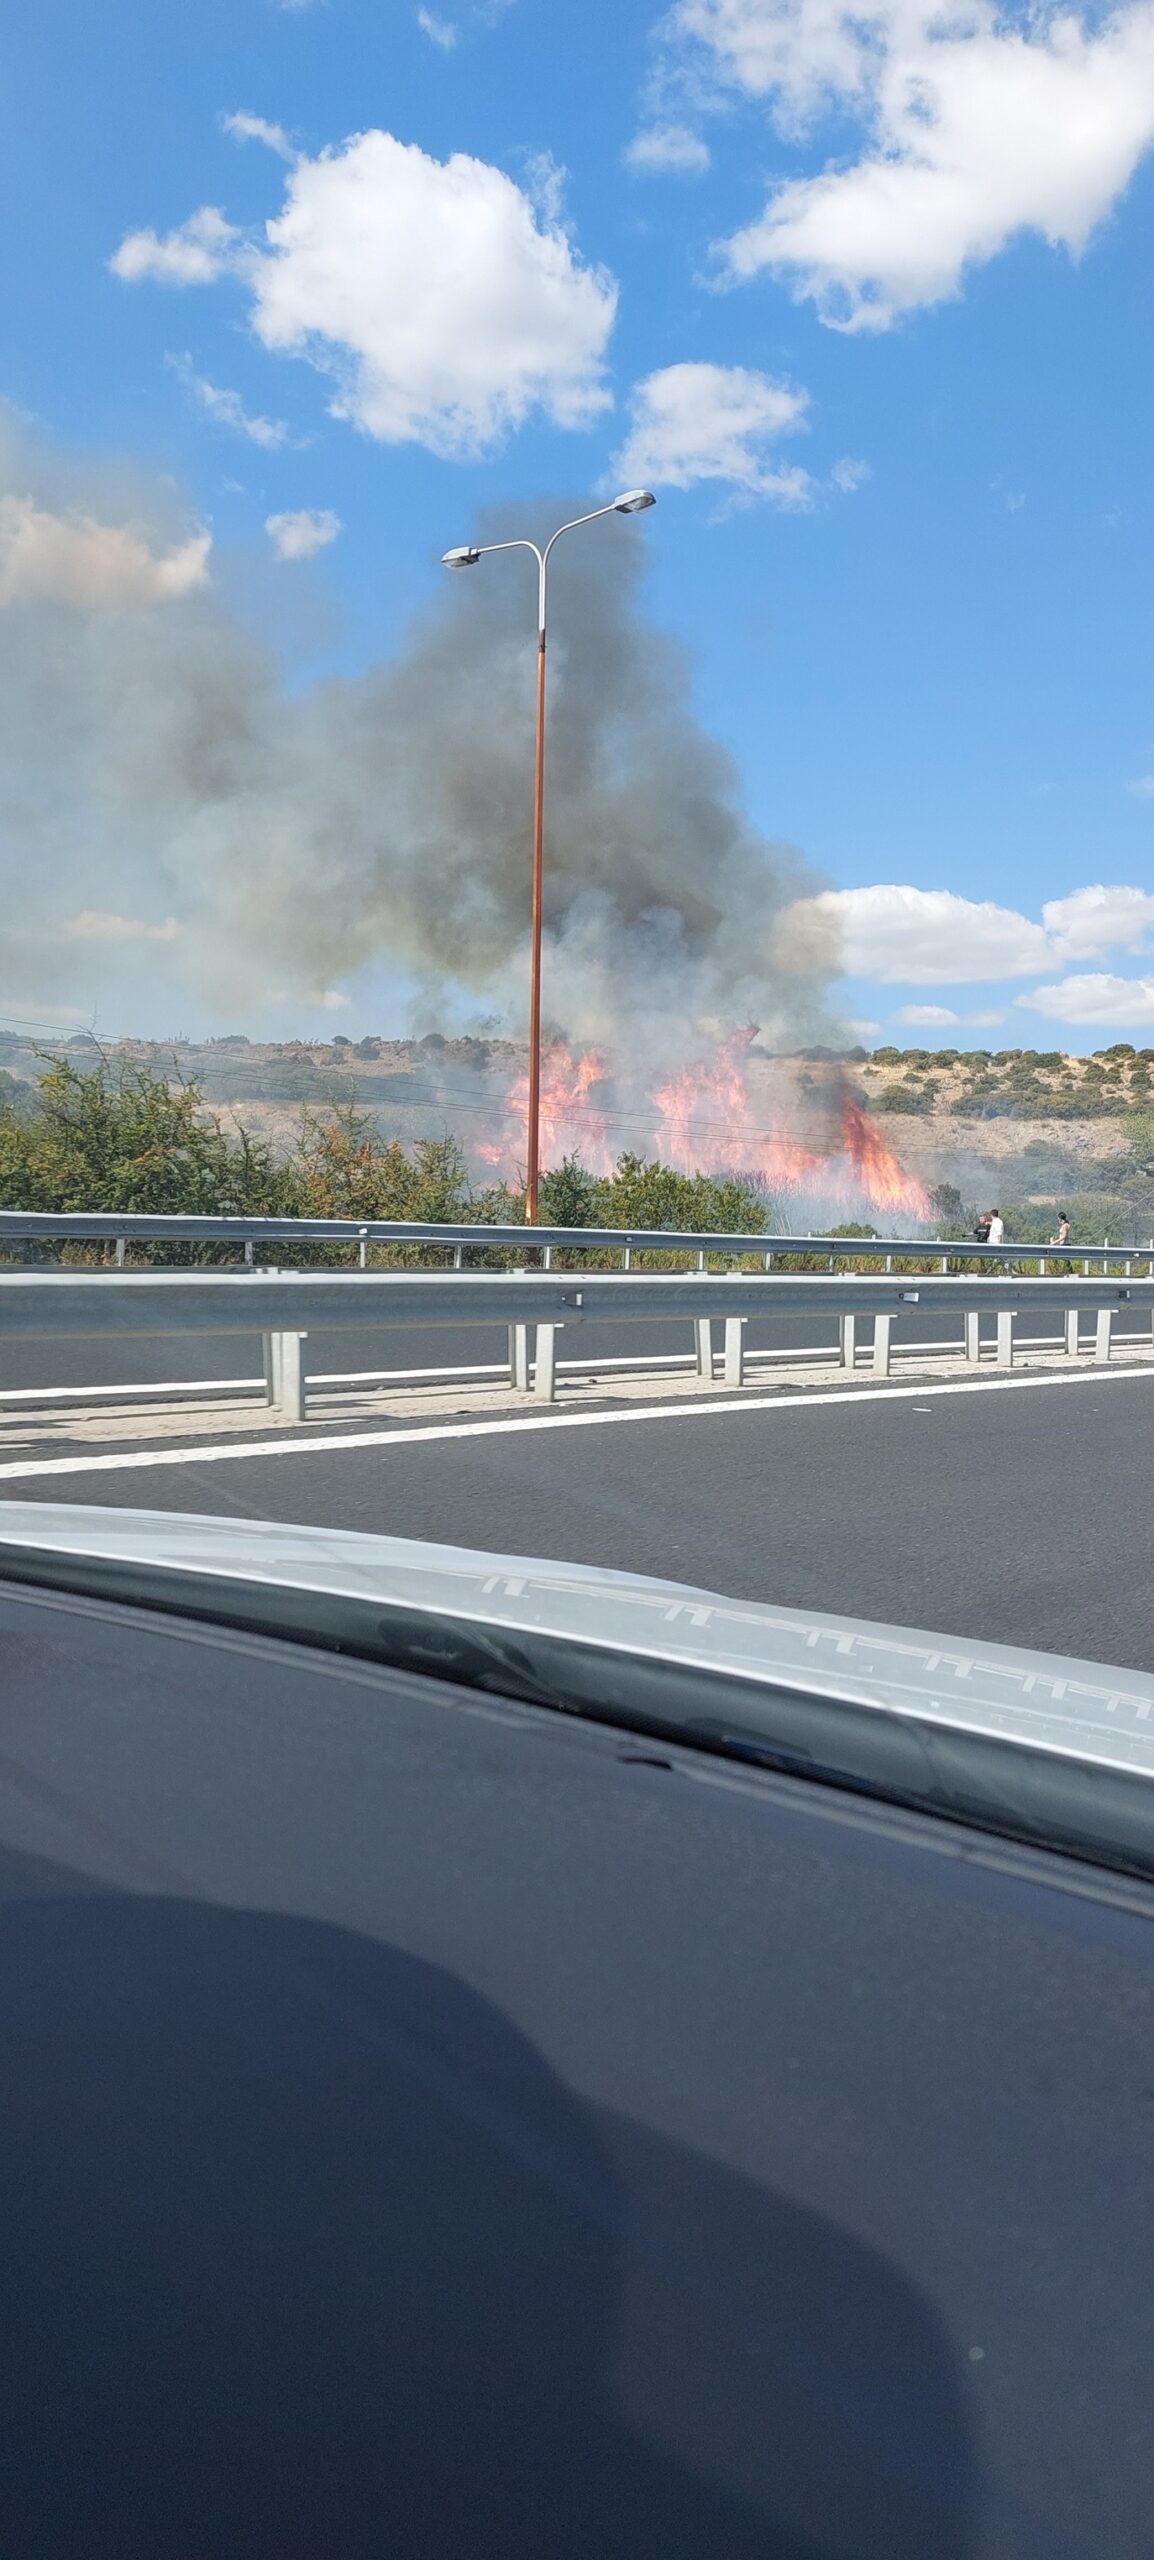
{"x": 864, "y": 299}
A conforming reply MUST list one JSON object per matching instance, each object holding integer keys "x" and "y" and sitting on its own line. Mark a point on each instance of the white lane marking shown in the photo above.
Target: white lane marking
{"x": 493, "y": 1369}
{"x": 399, "y": 1436}
{"x": 161, "y": 1387}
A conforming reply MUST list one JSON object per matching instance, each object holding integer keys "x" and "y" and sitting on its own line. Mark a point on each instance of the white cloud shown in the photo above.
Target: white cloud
{"x": 96, "y": 926}
{"x": 196, "y": 253}
{"x": 1142, "y": 787}
{"x": 928, "y": 1017}
{"x": 446, "y": 308}
{"x": 1095, "y": 920}
{"x": 447, "y": 302}
{"x": 849, "y": 475}
{"x": 440, "y": 31}
{"x": 974, "y": 127}
{"x": 667, "y": 150}
{"x": 1109, "y": 1004}
{"x": 246, "y": 128}
{"x": 296, "y": 536}
{"x": 921, "y": 937}
{"x": 930, "y": 937}
{"x": 76, "y": 560}
{"x": 696, "y": 422}
{"x": 227, "y": 409}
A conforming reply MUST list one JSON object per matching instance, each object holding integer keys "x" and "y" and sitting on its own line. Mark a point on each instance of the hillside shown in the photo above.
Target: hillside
{"x": 1036, "y": 1126}
{"x": 1025, "y": 1127}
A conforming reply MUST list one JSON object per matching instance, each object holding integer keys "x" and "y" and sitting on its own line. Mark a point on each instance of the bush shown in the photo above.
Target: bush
{"x": 343, "y": 1169}
{"x": 639, "y": 1194}
{"x": 948, "y": 1210}
{"x": 120, "y": 1139}
{"x": 568, "y": 1195}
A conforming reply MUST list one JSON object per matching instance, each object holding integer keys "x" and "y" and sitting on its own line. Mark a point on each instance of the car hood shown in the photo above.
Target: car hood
{"x": 1087, "y": 1711}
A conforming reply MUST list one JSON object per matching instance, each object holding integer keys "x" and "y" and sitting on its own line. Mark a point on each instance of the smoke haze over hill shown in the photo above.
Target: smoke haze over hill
{"x": 173, "y": 817}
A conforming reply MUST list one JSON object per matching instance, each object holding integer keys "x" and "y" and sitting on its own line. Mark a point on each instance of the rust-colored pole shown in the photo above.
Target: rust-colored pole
{"x": 534, "y": 1132}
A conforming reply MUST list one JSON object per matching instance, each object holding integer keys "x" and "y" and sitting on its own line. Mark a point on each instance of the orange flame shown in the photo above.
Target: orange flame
{"x": 703, "y": 1117}
{"x": 571, "y": 1125}
{"x": 875, "y": 1166}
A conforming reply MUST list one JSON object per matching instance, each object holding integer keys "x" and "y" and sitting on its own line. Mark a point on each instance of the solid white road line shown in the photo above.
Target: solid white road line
{"x": 791, "y": 1355}
{"x": 326, "y": 1444}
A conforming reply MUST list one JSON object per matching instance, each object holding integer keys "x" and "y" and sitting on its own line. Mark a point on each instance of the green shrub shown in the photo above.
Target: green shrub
{"x": 121, "y": 1139}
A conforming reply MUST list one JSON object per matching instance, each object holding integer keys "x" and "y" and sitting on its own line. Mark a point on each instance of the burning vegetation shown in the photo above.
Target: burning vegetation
{"x": 715, "y": 1115}
{"x": 116, "y": 1133}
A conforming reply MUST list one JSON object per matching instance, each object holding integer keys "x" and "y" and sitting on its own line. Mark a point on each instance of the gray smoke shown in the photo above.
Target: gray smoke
{"x": 255, "y": 842}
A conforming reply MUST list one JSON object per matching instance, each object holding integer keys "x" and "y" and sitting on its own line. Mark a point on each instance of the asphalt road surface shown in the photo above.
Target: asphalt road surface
{"x": 170, "y": 1358}
{"x": 1011, "y": 1510}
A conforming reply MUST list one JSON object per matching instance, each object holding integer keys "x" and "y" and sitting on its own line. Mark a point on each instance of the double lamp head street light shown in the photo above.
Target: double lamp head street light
{"x": 633, "y": 502}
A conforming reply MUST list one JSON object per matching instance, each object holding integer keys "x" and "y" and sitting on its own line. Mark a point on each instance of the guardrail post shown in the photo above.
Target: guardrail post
{"x": 1004, "y": 1351}
{"x": 1102, "y": 1333}
{"x": 735, "y": 1351}
{"x": 519, "y": 1357}
{"x": 248, "y": 1254}
{"x": 363, "y": 1253}
{"x": 120, "y": 1249}
{"x": 973, "y": 1335}
{"x": 1073, "y": 1331}
{"x": 284, "y": 1374}
{"x": 848, "y": 1341}
{"x": 882, "y": 1326}
{"x": 545, "y": 1363}
{"x": 703, "y": 1329}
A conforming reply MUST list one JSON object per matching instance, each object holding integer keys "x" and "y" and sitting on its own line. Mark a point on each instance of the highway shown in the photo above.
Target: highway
{"x": 1014, "y": 1510}
{"x": 25, "y": 1365}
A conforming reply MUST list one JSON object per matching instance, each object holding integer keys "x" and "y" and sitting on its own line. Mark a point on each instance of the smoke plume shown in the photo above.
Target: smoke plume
{"x": 166, "y": 796}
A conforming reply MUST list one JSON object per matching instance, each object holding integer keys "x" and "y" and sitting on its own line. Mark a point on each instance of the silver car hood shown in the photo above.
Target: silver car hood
{"x": 1084, "y": 1711}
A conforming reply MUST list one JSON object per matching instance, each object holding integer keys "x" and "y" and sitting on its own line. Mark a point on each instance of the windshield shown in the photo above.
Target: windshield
{"x": 576, "y": 1280}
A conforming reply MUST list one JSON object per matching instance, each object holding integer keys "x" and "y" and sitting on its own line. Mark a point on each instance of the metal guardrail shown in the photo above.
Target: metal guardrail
{"x": 100, "y": 1226}
{"x": 286, "y": 1307}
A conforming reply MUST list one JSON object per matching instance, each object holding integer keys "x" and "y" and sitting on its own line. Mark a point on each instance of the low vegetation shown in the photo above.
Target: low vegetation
{"x": 1018, "y": 1084}
{"x": 117, "y": 1137}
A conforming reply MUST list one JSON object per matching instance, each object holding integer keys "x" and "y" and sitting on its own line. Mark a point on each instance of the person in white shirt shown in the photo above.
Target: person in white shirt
{"x": 997, "y": 1227}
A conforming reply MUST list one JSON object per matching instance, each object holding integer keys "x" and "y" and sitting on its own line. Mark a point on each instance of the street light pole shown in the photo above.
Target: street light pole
{"x": 631, "y": 503}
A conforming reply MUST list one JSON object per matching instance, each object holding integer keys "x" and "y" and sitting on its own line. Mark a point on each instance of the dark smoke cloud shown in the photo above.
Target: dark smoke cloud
{"x": 156, "y": 769}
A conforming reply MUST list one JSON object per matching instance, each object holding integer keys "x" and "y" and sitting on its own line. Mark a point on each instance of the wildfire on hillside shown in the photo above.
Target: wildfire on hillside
{"x": 703, "y": 1118}
{"x": 875, "y": 1167}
